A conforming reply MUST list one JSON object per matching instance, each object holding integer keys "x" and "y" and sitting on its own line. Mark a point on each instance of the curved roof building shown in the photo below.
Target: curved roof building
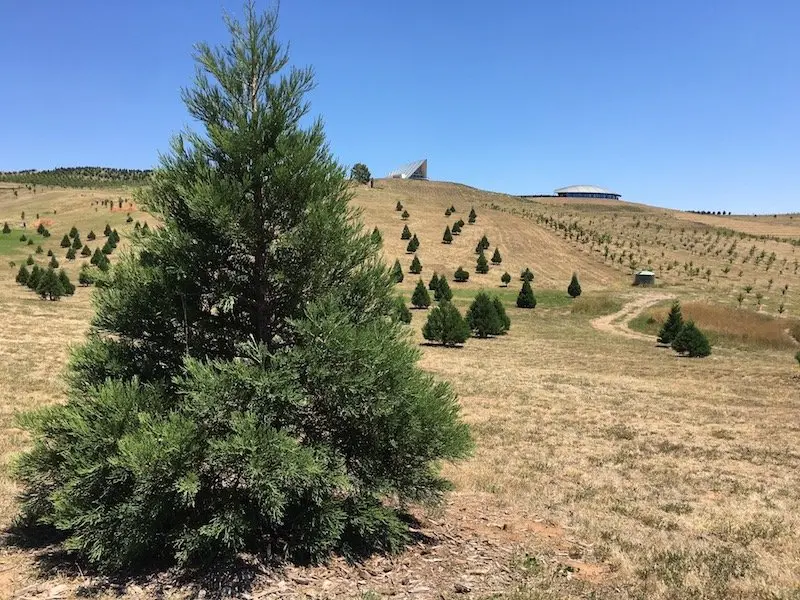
{"x": 586, "y": 191}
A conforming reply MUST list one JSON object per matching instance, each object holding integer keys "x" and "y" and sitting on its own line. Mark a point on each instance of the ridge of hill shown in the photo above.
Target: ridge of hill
{"x": 78, "y": 177}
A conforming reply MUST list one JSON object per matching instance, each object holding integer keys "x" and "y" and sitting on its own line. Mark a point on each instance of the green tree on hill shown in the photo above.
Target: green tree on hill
{"x": 35, "y": 276}
{"x": 445, "y": 325}
{"x": 505, "y": 320}
{"x": 406, "y": 235}
{"x": 22, "y": 275}
{"x": 482, "y": 265}
{"x": 70, "y": 254}
{"x": 505, "y": 278}
{"x": 574, "y": 288}
{"x": 40, "y": 250}
{"x": 86, "y": 251}
{"x": 526, "y": 275}
{"x": 76, "y": 242}
{"x": 405, "y": 215}
{"x": 461, "y": 275}
{"x": 66, "y": 284}
{"x": 483, "y": 244}
{"x": 85, "y": 275}
{"x": 397, "y": 272}
{"x": 49, "y": 286}
{"x": 443, "y": 291}
{"x": 452, "y": 209}
{"x": 482, "y": 317}
{"x": 23, "y": 238}
{"x": 107, "y": 230}
{"x": 496, "y": 258}
{"x": 360, "y": 173}
{"x": 246, "y": 387}
{"x": 434, "y": 282}
{"x": 413, "y": 244}
{"x": 447, "y": 238}
{"x": 401, "y": 313}
{"x": 398, "y": 207}
{"x": 447, "y": 212}
{"x": 376, "y": 237}
{"x": 420, "y": 298}
{"x": 30, "y": 260}
{"x": 6, "y": 228}
{"x": 40, "y": 229}
{"x": 691, "y": 341}
{"x": 73, "y": 232}
{"x": 53, "y": 264}
{"x": 107, "y": 248}
{"x": 416, "y": 266}
{"x": 91, "y": 236}
{"x": 472, "y": 216}
{"x": 456, "y": 229}
{"x": 526, "y": 298}
{"x": 65, "y": 241}
{"x": 672, "y": 326}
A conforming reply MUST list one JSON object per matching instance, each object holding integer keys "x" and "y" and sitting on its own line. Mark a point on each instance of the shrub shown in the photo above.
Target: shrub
{"x": 461, "y": 275}
{"x": 66, "y": 284}
{"x": 289, "y": 426}
{"x": 39, "y": 250}
{"x": 91, "y": 236}
{"x": 526, "y": 275}
{"x": 6, "y": 228}
{"x": 416, "y": 266}
{"x": 76, "y": 242}
{"x": 46, "y": 233}
{"x": 420, "y": 298}
{"x": 30, "y": 242}
{"x": 574, "y": 288}
{"x": 505, "y": 279}
{"x": 30, "y": 260}
{"x": 482, "y": 265}
{"x": 413, "y": 244}
{"x": 35, "y": 276}
{"x": 434, "y": 282}
{"x": 53, "y": 264}
{"x": 447, "y": 212}
{"x": 526, "y": 298}
{"x": 406, "y": 235}
{"x": 129, "y": 219}
{"x": 49, "y": 253}
{"x": 401, "y": 313}
{"x": 107, "y": 230}
{"x": 496, "y": 258}
{"x": 23, "y": 238}
{"x": 86, "y": 251}
{"x": 443, "y": 291}
{"x": 397, "y": 272}
{"x": 376, "y": 236}
{"x": 22, "y": 275}
{"x": 70, "y": 254}
{"x": 445, "y": 325}
{"x": 398, "y": 207}
{"x": 447, "y": 238}
{"x": 456, "y": 228}
{"x": 405, "y": 215}
{"x": 40, "y": 229}
{"x": 691, "y": 341}
{"x": 483, "y": 244}
{"x": 472, "y": 216}
{"x": 73, "y": 232}
{"x": 672, "y": 326}
{"x": 49, "y": 285}
{"x": 107, "y": 248}
{"x": 505, "y": 320}
{"x": 360, "y": 173}
{"x": 85, "y": 276}
{"x": 452, "y": 209}
{"x": 482, "y": 317}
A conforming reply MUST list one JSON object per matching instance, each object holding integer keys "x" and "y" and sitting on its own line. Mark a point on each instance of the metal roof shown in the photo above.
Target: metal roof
{"x": 646, "y": 273}
{"x": 408, "y": 170}
{"x": 585, "y": 189}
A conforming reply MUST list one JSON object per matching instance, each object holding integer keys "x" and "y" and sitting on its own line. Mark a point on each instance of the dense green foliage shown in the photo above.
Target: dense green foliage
{"x": 397, "y": 272}
{"x": 526, "y": 275}
{"x": 482, "y": 265}
{"x": 399, "y": 206}
{"x": 443, "y": 291}
{"x": 80, "y": 177}
{"x": 496, "y": 258}
{"x": 505, "y": 279}
{"x": 420, "y": 298}
{"x": 22, "y": 275}
{"x": 574, "y": 288}
{"x": 245, "y": 387}
{"x": 483, "y": 244}
{"x": 49, "y": 285}
{"x": 461, "y": 275}
{"x": 483, "y": 318}
{"x": 413, "y": 244}
{"x": 360, "y": 173}
{"x": 445, "y": 325}
{"x": 691, "y": 341}
{"x": 401, "y": 313}
{"x": 526, "y": 298}
{"x": 434, "y": 282}
{"x": 6, "y": 228}
{"x": 447, "y": 238}
{"x": 405, "y": 215}
{"x": 472, "y": 216}
{"x": 406, "y": 235}
{"x": 376, "y": 237}
{"x": 66, "y": 242}
{"x": 672, "y": 326}
{"x": 70, "y": 254}
{"x": 416, "y": 266}
{"x": 455, "y": 229}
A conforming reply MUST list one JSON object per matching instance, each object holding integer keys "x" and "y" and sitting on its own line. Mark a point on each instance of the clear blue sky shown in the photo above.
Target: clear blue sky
{"x": 686, "y": 103}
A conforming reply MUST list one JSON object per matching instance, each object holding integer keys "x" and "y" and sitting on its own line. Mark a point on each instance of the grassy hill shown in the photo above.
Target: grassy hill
{"x": 605, "y": 466}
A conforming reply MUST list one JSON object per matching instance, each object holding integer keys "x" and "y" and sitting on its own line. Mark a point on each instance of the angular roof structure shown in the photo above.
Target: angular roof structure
{"x": 415, "y": 170}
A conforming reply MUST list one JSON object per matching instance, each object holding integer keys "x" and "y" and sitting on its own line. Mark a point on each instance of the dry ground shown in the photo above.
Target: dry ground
{"x": 605, "y": 467}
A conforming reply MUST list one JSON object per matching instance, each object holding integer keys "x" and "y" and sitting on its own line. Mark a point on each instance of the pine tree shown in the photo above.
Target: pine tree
{"x": 30, "y": 260}
{"x": 30, "y": 242}
{"x": 22, "y": 275}
{"x": 35, "y": 277}
{"x": 76, "y": 242}
{"x": 115, "y": 237}
{"x": 456, "y": 229}
{"x": 505, "y": 278}
{"x": 40, "y": 229}
{"x": 91, "y": 236}
{"x": 23, "y": 238}
{"x": 691, "y": 341}
{"x": 398, "y": 207}
{"x": 376, "y": 237}
{"x": 86, "y": 251}
{"x": 53, "y": 264}
{"x": 526, "y": 299}
{"x": 6, "y": 228}
{"x": 145, "y": 229}
{"x": 360, "y": 173}
{"x": 50, "y": 252}
{"x": 85, "y": 276}
{"x": 447, "y": 212}
{"x": 460, "y": 224}
{"x": 244, "y": 375}
{"x": 461, "y": 275}
{"x": 103, "y": 263}
{"x": 434, "y": 282}
{"x": 46, "y": 233}
{"x": 482, "y": 265}
{"x": 443, "y": 291}
{"x": 496, "y": 258}
{"x": 505, "y": 320}
{"x": 107, "y": 230}
{"x": 106, "y": 249}
{"x": 413, "y": 244}
{"x": 73, "y": 232}
{"x": 482, "y": 317}
{"x": 452, "y": 209}
{"x": 420, "y": 298}
{"x": 405, "y": 215}
{"x": 49, "y": 286}
{"x": 70, "y": 254}
{"x": 96, "y": 256}
{"x": 397, "y": 272}
{"x": 672, "y": 326}
{"x": 66, "y": 284}
{"x": 406, "y": 235}
{"x": 416, "y": 266}
{"x": 448, "y": 237}
{"x": 129, "y": 219}
{"x": 445, "y": 325}
{"x": 574, "y": 288}
{"x": 472, "y": 216}
{"x": 401, "y": 313}
{"x": 526, "y": 275}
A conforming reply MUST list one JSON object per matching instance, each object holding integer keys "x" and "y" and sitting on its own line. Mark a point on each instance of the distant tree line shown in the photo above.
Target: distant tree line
{"x": 78, "y": 177}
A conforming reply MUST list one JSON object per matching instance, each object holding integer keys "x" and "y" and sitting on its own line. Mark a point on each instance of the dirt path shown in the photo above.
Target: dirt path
{"x": 617, "y": 323}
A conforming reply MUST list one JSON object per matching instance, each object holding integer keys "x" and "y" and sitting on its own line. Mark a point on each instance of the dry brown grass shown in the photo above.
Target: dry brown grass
{"x": 657, "y": 476}
{"x": 730, "y": 326}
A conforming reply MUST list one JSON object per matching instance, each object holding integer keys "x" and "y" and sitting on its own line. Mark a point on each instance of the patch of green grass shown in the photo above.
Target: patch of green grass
{"x": 544, "y": 298}
{"x": 596, "y": 304}
{"x": 11, "y": 246}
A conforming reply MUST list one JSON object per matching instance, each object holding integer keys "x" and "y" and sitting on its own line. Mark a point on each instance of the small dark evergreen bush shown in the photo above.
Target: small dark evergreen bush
{"x": 472, "y": 216}
{"x": 447, "y": 238}
{"x": 70, "y": 254}
{"x": 672, "y": 326}
{"x": 66, "y": 284}
{"x": 397, "y": 271}
{"x": 574, "y": 288}
{"x": 443, "y": 291}
{"x": 53, "y": 264}
{"x": 66, "y": 242}
{"x": 405, "y": 215}
{"x": 526, "y": 275}
{"x": 505, "y": 278}
{"x": 461, "y": 275}
{"x": 6, "y": 228}
{"x": 482, "y": 265}
{"x": 526, "y": 298}
{"x": 406, "y": 235}
{"x": 691, "y": 341}
{"x": 416, "y": 266}
{"x": 398, "y": 207}
{"x": 73, "y": 232}
{"x": 91, "y": 236}
{"x": 35, "y": 276}
{"x": 86, "y": 251}
{"x": 30, "y": 260}
{"x": 49, "y": 286}
{"x": 22, "y": 275}
{"x": 456, "y": 228}
{"x": 496, "y": 258}
{"x": 401, "y": 312}
{"x": 434, "y": 282}
{"x": 420, "y": 298}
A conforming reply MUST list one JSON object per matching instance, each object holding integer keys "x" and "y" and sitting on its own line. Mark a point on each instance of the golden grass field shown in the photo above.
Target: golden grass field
{"x": 606, "y": 467}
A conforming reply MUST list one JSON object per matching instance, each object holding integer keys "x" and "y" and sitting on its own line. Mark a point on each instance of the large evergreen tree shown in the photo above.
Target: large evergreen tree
{"x": 22, "y": 275}
{"x": 434, "y": 282}
{"x": 244, "y": 376}
{"x": 672, "y": 326}
{"x": 442, "y": 291}
{"x": 482, "y": 317}
{"x": 420, "y": 298}
{"x": 49, "y": 285}
{"x": 416, "y": 266}
{"x": 445, "y": 325}
{"x": 526, "y": 298}
{"x": 482, "y": 265}
{"x": 360, "y": 173}
{"x": 691, "y": 341}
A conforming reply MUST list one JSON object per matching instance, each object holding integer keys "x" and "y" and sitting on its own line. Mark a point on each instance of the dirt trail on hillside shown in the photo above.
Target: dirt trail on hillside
{"x": 617, "y": 322}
